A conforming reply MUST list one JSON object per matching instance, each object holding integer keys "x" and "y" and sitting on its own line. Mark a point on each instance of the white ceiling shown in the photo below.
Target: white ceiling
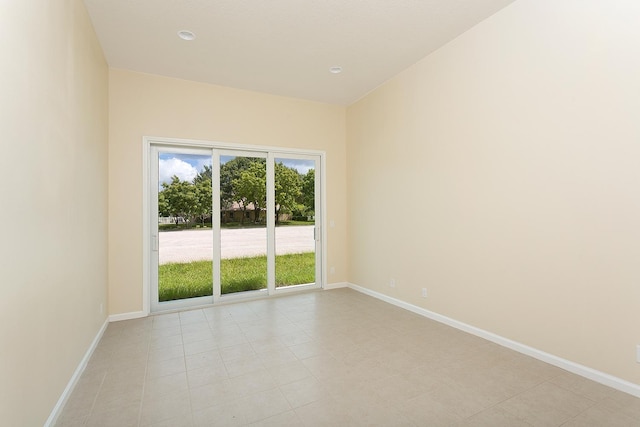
{"x": 282, "y": 47}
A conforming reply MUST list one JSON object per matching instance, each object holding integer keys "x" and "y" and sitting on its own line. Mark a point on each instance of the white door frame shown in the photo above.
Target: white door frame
{"x": 272, "y": 152}
{"x": 319, "y": 224}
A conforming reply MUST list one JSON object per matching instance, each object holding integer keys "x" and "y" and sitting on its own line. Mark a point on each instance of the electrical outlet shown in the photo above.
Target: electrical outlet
{"x": 392, "y": 283}
{"x": 638, "y": 353}
{"x": 332, "y": 270}
{"x": 101, "y": 308}
{"x": 424, "y": 292}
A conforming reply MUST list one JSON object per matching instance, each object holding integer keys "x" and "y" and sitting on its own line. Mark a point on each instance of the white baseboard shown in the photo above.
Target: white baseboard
{"x": 127, "y": 316}
{"x": 592, "y": 374}
{"x": 336, "y": 285}
{"x": 57, "y": 410}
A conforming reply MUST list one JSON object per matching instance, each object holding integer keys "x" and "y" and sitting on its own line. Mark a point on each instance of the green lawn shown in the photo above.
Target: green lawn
{"x": 194, "y": 279}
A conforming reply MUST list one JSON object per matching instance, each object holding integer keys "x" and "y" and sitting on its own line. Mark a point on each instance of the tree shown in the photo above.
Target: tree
{"x": 308, "y": 197}
{"x": 251, "y": 187}
{"x": 203, "y": 197}
{"x": 203, "y": 175}
{"x": 229, "y": 173}
{"x": 163, "y": 205}
{"x": 179, "y": 199}
{"x": 288, "y": 186}
{"x": 243, "y": 181}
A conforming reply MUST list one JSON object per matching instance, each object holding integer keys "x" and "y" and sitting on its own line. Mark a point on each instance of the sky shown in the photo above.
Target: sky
{"x": 187, "y": 166}
{"x": 184, "y": 166}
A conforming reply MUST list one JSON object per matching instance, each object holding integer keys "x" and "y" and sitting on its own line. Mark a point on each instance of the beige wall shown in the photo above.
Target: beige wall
{"x": 516, "y": 148}
{"x": 148, "y": 105}
{"x": 53, "y": 174}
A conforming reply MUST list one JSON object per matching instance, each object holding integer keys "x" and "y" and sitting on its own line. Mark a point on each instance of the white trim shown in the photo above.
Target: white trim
{"x": 219, "y": 145}
{"x": 295, "y": 288}
{"x": 324, "y": 242}
{"x": 127, "y": 316}
{"x": 57, "y": 410}
{"x": 146, "y": 226}
{"x": 215, "y": 225}
{"x": 271, "y": 222}
{"x": 576, "y": 368}
{"x": 338, "y": 285}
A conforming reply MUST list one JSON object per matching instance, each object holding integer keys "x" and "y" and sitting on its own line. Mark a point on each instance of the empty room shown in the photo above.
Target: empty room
{"x": 320, "y": 213}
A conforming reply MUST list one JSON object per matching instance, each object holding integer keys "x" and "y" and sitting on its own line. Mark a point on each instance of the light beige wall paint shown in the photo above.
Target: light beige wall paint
{"x": 513, "y": 153}
{"x": 53, "y": 175}
{"x": 148, "y": 105}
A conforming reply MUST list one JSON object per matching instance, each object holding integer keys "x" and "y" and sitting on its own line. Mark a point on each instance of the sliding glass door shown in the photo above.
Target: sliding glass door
{"x": 229, "y": 224}
{"x": 242, "y": 228}
{"x": 296, "y": 231}
{"x": 182, "y": 249}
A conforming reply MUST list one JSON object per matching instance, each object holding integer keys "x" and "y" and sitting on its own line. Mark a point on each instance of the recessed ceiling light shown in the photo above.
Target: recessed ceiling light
{"x": 335, "y": 69}
{"x": 186, "y": 35}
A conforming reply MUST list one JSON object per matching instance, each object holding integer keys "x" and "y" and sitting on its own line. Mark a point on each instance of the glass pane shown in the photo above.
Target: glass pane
{"x": 295, "y": 221}
{"x": 243, "y": 229}
{"x": 185, "y": 238}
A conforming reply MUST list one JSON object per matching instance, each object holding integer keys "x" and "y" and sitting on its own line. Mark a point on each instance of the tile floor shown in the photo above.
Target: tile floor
{"x": 325, "y": 358}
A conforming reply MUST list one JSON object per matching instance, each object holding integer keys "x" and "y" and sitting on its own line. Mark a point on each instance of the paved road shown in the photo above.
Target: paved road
{"x": 196, "y": 245}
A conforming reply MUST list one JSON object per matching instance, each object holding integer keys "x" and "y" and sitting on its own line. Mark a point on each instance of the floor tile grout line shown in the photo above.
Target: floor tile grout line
{"x": 595, "y": 402}
{"x": 547, "y": 381}
{"x": 95, "y": 398}
{"x": 146, "y": 372}
{"x": 184, "y": 358}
